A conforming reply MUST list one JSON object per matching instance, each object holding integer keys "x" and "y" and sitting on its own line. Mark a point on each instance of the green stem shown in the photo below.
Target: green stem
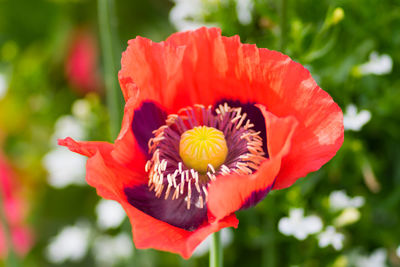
{"x": 283, "y": 25}
{"x": 270, "y": 246}
{"x": 110, "y": 49}
{"x": 11, "y": 260}
{"x": 216, "y": 254}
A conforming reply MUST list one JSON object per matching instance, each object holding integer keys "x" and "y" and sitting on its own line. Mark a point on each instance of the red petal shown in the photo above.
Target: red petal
{"x": 151, "y": 233}
{"x": 87, "y": 149}
{"x": 110, "y": 178}
{"x": 195, "y": 67}
{"x": 102, "y": 171}
{"x": 203, "y": 67}
{"x": 126, "y": 150}
{"x": 228, "y": 193}
{"x": 320, "y": 132}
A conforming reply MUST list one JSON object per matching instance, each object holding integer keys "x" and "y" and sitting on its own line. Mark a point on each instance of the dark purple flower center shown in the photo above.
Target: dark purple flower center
{"x": 176, "y": 193}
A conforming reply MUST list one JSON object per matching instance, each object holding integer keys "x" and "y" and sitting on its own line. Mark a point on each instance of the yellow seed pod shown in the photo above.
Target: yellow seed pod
{"x": 201, "y": 146}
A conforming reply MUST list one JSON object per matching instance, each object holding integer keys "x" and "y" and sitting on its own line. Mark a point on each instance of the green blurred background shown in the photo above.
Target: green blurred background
{"x": 52, "y": 86}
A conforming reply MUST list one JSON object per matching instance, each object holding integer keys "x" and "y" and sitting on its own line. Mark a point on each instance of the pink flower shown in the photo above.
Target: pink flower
{"x": 81, "y": 62}
{"x": 13, "y": 208}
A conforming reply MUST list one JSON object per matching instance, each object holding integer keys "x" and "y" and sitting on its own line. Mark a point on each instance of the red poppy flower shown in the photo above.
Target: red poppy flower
{"x": 211, "y": 125}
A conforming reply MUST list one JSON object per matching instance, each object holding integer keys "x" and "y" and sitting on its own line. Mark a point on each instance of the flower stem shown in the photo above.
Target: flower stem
{"x": 270, "y": 246}
{"x": 216, "y": 254}
{"x": 283, "y": 25}
{"x": 110, "y": 49}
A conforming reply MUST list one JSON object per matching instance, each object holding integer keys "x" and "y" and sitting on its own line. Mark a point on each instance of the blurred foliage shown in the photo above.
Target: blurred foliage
{"x": 330, "y": 42}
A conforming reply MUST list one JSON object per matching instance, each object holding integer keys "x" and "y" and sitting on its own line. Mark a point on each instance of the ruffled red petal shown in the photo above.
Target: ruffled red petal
{"x": 126, "y": 150}
{"x": 320, "y": 132}
{"x": 103, "y": 172}
{"x": 151, "y": 233}
{"x": 202, "y": 67}
{"x": 192, "y": 67}
{"x": 228, "y": 193}
{"x": 110, "y": 178}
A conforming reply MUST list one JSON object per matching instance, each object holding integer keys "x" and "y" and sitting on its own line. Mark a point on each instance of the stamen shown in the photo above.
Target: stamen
{"x": 158, "y": 139}
{"x": 167, "y": 192}
{"x": 248, "y": 125}
{"x": 211, "y": 176}
{"x": 188, "y": 202}
{"x": 192, "y": 172}
{"x": 187, "y": 176}
{"x": 169, "y": 180}
{"x": 176, "y": 194}
{"x": 182, "y": 182}
{"x": 226, "y": 107}
{"x": 241, "y": 120}
{"x": 205, "y": 192}
{"x": 199, "y": 203}
{"x": 197, "y": 184}
{"x": 173, "y": 178}
{"x": 180, "y": 167}
{"x": 211, "y": 168}
{"x": 189, "y": 190}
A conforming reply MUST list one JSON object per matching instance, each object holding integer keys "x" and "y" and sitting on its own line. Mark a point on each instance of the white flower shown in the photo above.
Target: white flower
{"x": 204, "y": 247}
{"x": 69, "y": 244}
{"x": 3, "y": 86}
{"x": 188, "y": 15}
{"x": 398, "y": 252}
{"x": 339, "y": 200}
{"x": 348, "y": 216}
{"x": 110, "y": 214}
{"x": 353, "y": 120}
{"x": 64, "y": 168}
{"x": 68, "y": 126}
{"x": 378, "y": 65}
{"x": 298, "y": 225}
{"x": 81, "y": 109}
{"x": 331, "y": 237}
{"x": 109, "y": 250}
{"x": 376, "y": 259}
{"x": 243, "y": 10}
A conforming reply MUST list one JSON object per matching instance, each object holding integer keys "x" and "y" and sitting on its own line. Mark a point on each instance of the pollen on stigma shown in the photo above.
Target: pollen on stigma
{"x": 202, "y": 146}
